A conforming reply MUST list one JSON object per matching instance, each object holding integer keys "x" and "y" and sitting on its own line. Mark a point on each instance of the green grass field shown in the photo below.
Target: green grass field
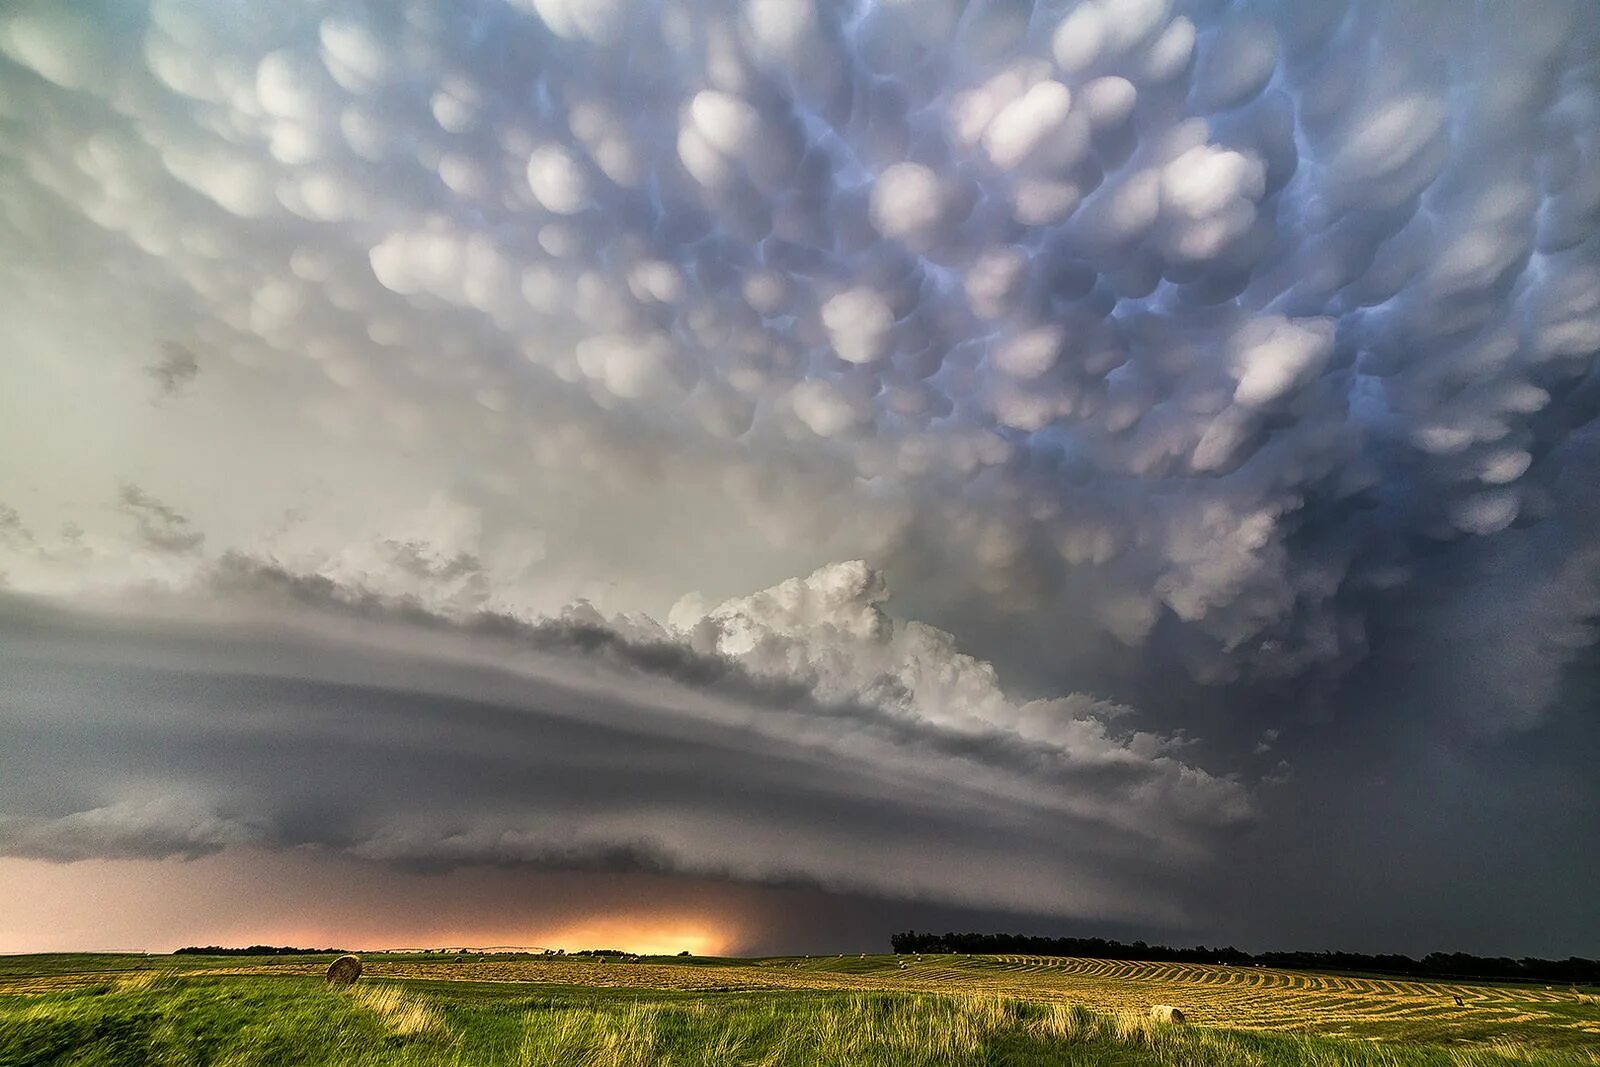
{"x": 945, "y": 1010}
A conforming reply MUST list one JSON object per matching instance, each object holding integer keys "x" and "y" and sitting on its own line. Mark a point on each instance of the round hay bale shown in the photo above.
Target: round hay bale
{"x": 1166, "y": 1013}
{"x": 344, "y": 970}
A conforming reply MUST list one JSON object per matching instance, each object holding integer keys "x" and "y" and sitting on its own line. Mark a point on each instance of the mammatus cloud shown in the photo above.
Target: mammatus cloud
{"x": 1183, "y": 315}
{"x": 1234, "y": 362}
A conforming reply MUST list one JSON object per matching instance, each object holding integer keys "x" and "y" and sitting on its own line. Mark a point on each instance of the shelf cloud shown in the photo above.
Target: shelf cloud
{"x": 488, "y": 434}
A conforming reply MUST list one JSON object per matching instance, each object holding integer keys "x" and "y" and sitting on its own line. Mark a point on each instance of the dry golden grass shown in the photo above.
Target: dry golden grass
{"x": 936, "y": 1012}
{"x": 165, "y": 978}
{"x": 403, "y": 1013}
{"x": 863, "y": 1029}
{"x": 1238, "y": 997}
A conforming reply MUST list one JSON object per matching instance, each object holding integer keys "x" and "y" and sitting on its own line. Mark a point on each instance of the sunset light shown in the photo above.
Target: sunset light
{"x": 645, "y": 935}
{"x": 610, "y": 506}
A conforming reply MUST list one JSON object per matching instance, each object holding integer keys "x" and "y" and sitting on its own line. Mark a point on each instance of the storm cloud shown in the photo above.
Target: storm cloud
{"x": 796, "y": 735}
{"x": 1214, "y": 382}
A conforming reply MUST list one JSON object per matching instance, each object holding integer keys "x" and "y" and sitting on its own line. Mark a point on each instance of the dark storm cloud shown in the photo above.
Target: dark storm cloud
{"x": 1162, "y": 312}
{"x": 348, "y": 724}
{"x": 1233, "y": 362}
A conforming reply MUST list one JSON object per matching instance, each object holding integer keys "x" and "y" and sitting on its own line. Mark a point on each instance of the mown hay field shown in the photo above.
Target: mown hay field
{"x": 423, "y": 998}
{"x": 1247, "y": 998}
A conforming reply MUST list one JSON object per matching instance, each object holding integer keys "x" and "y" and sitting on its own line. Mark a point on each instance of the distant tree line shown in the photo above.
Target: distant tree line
{"x": 1433, "y": 965}
{"x": 256, "y": 950}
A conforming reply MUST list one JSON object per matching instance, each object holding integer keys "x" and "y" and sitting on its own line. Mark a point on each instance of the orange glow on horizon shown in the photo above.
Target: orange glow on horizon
{"x": 245, "y": 897}
{"x": 645, "y": 935}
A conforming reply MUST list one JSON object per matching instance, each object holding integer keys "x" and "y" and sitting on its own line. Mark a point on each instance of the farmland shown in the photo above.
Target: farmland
{"x": 880, "y": 1009}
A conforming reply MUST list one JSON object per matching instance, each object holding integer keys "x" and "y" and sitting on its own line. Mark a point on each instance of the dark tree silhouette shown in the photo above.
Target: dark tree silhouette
{"x": 1434, "y": 965}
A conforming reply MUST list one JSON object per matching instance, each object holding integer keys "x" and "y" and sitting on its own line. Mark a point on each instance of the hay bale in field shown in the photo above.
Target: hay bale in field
{"x": 344, "y": 970}
{"x": 1166, "y": 1013}
{"x": 1459, "y": 1001}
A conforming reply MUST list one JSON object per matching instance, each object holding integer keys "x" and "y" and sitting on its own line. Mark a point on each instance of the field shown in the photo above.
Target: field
{"x": 533, "y": 1011}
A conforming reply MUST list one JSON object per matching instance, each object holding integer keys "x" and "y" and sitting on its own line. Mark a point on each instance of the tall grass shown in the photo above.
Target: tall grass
{"x": 954, "y": 1031}
{"x": 165, "y": 978}
{"x": 404, "y": 1014}
{"x": 258, "y": 1021}
{"x": 886, "y": 1029}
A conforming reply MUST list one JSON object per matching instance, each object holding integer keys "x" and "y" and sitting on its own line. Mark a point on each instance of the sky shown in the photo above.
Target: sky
{"x": 758, "y": 475}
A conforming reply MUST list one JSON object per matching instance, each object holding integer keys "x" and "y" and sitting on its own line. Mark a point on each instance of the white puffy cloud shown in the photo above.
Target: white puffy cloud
{"x": 1209, "y": 196}
{"x": 824, "y": 407}
{"x": 1031, "y": 353}
{"x": 1108, "y": 101}
{"x": 557, "y": 180}
{"x": 1272, "y": 357}
{"x": 58, "y": 42}
{"x": 907, "y": 202}
{"x": 158, "y": 827}
{"x": 1034, "y": 122}
{"x": 859, "y": 321}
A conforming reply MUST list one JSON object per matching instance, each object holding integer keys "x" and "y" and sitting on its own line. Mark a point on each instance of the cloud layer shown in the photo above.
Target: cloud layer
{"x": 1084, "y": 295}
{"x": 1233, "y": 362}
{"x": 798, "y": 734}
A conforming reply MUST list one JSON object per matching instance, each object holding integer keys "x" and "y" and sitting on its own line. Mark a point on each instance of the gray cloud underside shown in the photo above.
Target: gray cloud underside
{"x": 1200, "y": 324}
{"x": 1233, "y": 362}
{"x": 326, "y": 720}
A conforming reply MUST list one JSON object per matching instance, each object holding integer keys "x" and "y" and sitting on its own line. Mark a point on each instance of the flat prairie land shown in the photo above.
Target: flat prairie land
{"x": 888, "y": 1010}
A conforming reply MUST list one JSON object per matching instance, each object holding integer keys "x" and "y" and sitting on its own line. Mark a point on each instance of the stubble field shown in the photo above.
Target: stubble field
{"x": 936, "y": 1009}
